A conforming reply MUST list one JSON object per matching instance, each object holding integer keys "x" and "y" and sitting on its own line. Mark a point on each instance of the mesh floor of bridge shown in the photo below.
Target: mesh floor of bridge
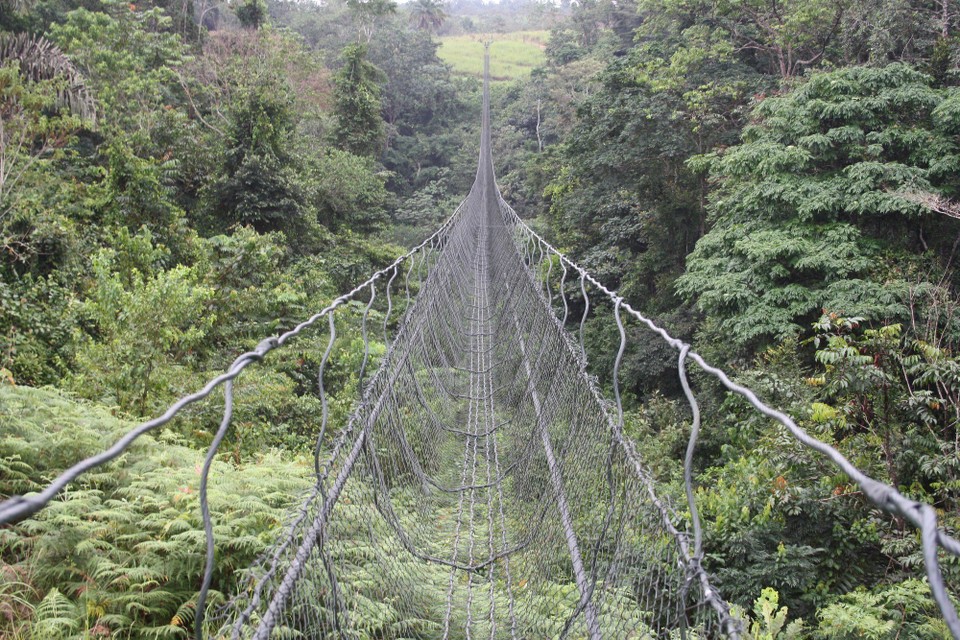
{"x": 483, "y": 488}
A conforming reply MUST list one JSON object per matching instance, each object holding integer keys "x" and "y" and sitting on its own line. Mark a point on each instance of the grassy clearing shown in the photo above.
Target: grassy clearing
{"x": 512, "y": 55}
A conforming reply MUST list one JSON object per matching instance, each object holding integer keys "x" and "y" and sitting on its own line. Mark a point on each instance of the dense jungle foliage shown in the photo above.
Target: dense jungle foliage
{"x": 775, "y": 181}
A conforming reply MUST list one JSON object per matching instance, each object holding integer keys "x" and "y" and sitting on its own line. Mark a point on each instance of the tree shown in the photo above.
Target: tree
{"x": 136, "y": 195}
{"x": 622, "y": 194}
{"x": 784, "y": 37}
{"x": 428, "y": 15}
{"x": 37, "y": 79}
{"x": 27, "y": 134}
{"x": 810, "y": 211}
{"x": 252, "y": 14}
{"x": 259, "y": 184}
{"x": 421, "y": 104}
{"x": 146, "y": 328}
{"x": 876, "y": 31}
{"x": 562, "y": 47}
{"x": 358, "y": 124}
{"x": 346, "y": 191}
{"x": 231, "y": 61}
{"x": 39, "y": 60}
{"x": 12, "y": 14}
{"x": 43, "y": 102}
{"x": 127, "y": 55}
{"x": 368, "y": 13}
{"x": 793, "y": 35}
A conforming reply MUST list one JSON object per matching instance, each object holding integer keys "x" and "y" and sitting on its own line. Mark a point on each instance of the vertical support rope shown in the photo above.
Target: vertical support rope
{"x": 556, "y": 480}
{"x": 205, "y": 508}
{"x": 324, "y": 404}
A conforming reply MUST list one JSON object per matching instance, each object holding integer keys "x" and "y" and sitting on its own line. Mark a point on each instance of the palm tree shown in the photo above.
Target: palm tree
{"x": 39, "y": 59}
{"x": 428, "y": 14}
{"x": 27, "y": 133}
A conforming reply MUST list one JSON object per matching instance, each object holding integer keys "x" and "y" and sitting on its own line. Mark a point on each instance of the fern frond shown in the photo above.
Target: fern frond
{"x": 57, "y": 616}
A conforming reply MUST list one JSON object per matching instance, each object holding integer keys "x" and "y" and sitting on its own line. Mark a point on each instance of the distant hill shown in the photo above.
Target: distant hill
{"x": 512, "y": 55}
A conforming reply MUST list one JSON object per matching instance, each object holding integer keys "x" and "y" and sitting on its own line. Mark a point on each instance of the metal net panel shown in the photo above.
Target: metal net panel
{"x": 483, "y": 488}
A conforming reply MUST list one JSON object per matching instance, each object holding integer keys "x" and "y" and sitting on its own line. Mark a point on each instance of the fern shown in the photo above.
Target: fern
{"x": 57, "y": 616}
{"x": 903, "y": 610}
{"x": 123, "y": 549}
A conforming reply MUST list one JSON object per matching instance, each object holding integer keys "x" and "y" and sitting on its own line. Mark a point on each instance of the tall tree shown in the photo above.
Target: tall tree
{"x": 358, "y": 124}
{"x": 783, "y": 36}
{"x": 127, "y": 55}
{"x": 822, "y": 205}
{"x": 428, "y": 15}
{"x": 258, "y": 185}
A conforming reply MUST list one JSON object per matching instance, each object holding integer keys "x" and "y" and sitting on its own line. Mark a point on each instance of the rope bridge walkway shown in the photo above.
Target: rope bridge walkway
{"x": 483, "y": 487}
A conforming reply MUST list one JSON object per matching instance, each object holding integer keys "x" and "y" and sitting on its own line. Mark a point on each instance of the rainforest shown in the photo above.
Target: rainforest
{"x": 775, "y": 182}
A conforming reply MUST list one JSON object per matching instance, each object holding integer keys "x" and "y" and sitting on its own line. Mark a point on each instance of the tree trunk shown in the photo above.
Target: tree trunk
{"x": 539, "y": 139}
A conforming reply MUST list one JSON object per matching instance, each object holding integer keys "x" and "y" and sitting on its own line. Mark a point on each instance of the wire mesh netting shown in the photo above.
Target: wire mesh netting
{"x": 483, "y": 489}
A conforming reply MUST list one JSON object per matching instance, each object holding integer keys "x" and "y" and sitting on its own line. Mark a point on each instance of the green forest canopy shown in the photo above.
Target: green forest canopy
{"x": 773, "y": 181}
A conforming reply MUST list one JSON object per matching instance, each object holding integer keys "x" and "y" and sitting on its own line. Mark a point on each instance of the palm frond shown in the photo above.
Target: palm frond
{"x": 40, "y": 60}
{"x": 17, "y": 6}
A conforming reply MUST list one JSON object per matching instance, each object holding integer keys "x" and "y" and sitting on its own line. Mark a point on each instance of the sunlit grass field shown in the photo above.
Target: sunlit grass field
{"x": 512, "y": 55}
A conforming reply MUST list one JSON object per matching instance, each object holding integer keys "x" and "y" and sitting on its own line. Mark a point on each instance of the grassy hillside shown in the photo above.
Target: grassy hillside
{"x": 512, "y": 55}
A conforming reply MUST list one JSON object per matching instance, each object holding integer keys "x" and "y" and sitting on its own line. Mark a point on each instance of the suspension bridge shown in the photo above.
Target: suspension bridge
{"x": 483, "y": 486}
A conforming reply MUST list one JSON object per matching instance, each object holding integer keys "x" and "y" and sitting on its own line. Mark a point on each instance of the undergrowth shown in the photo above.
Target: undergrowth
{"x": 119, "y": 554}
